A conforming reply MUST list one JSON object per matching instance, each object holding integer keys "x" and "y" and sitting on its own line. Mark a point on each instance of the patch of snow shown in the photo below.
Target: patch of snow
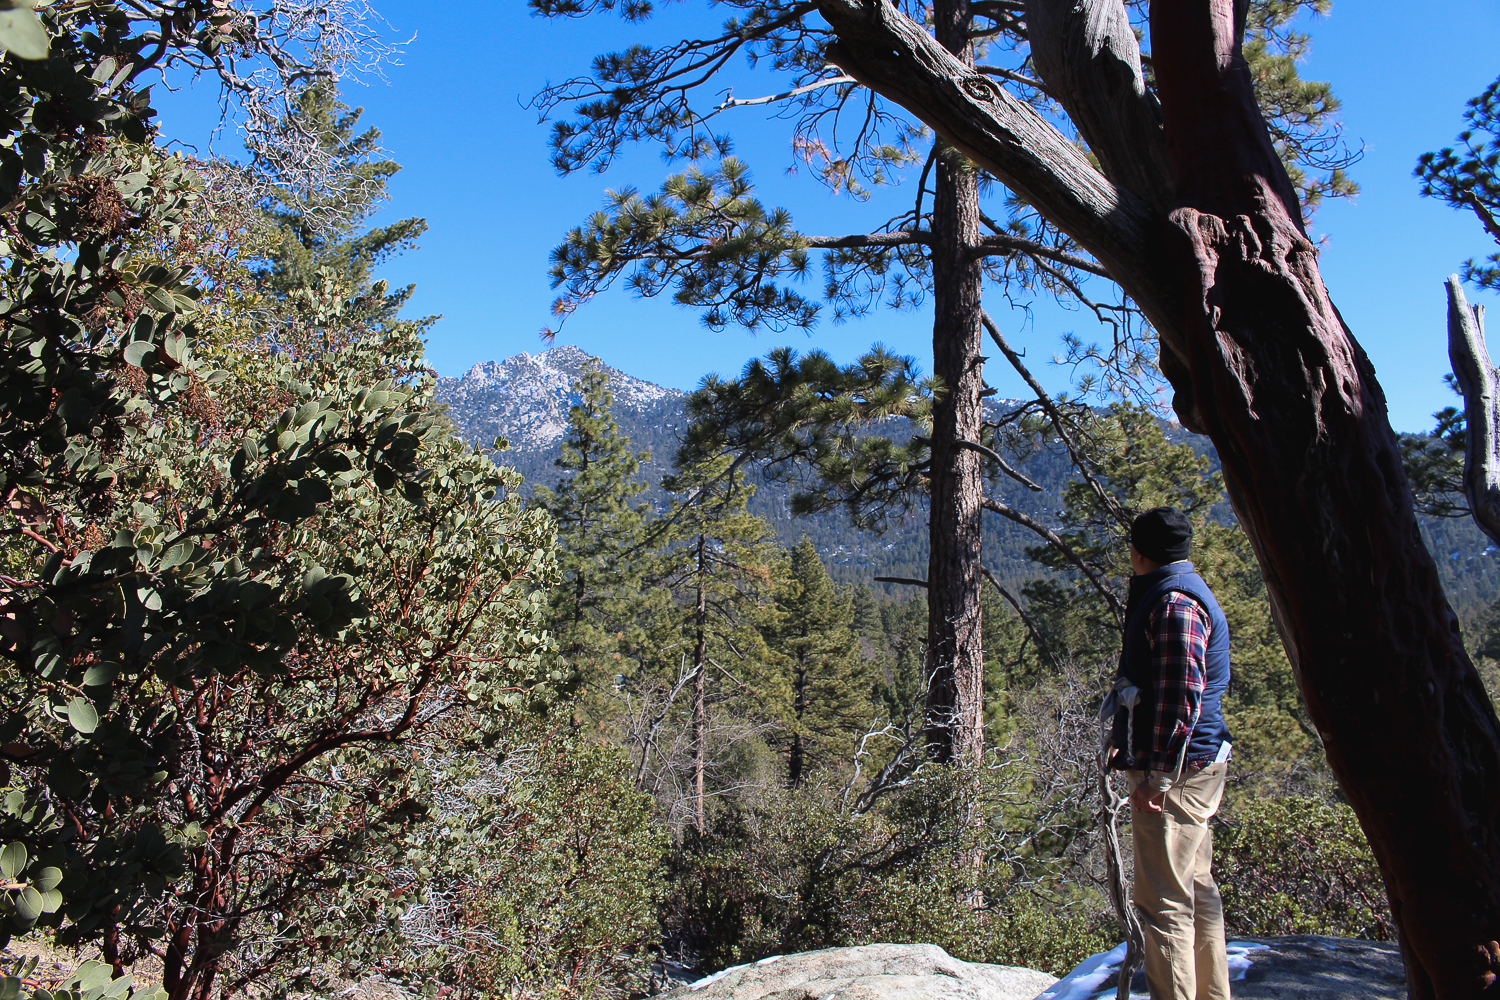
{"x": 1239, "y": 958}
{"x": 710, "y": 980}
{"x": 768, "y": 961}
{"x": 1084, "y": 982}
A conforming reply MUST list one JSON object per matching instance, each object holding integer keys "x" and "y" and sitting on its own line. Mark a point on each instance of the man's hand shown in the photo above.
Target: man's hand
{"x": 1147, "y": 799}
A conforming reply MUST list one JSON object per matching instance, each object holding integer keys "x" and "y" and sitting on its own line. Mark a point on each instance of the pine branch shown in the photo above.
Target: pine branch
{"x": 1014, "y": 77}
{"x": 1075, "y": 453}
{"x": 998, "y": 460}
{"x": 908, "y": 581}
{"x": 1002, "y": 241}
{"x": 1056, "y": 541}
{"x": 1031, "y": 627}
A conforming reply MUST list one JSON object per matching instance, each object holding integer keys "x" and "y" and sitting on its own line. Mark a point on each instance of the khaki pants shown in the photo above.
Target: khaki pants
{"x": 1175, "y": 894}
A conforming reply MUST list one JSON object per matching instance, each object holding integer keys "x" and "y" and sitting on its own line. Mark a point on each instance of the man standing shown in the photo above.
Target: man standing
{"x": 1174, "y": 748}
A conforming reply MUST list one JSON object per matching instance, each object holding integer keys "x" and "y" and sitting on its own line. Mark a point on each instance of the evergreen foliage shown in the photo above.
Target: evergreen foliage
{"x": 1435, "y": 462}
{"x": 1302, "y": 115}
{"x": 1298, "y": 865}
{"x": 1465, "y": 177}
{"x": 298, "y": 691}
{"x": 718, "y": 566}
{"x": 798, "y": 414}
{"x": 235, "y": 594}
{"x": 321, "y": 227}
{"x": 600, "y": 533}
{"x": 829, "y": 683}
{"x": 567, "y": 884}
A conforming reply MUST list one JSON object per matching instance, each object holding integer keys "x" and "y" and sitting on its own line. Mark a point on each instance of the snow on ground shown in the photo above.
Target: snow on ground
{"x": 1085, "y": 982}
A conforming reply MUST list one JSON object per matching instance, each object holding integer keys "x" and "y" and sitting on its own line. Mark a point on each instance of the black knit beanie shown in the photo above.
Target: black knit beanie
{"x": 1162, "y": 534}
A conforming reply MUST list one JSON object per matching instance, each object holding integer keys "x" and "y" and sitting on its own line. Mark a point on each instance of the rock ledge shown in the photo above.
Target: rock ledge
{"x": 868, "y": 972}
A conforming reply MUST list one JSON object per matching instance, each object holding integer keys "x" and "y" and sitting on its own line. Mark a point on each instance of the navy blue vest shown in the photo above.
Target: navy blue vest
{"x": 1135, "y": 663}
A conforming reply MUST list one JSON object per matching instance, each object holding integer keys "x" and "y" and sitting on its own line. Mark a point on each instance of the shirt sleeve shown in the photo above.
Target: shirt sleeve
{"x": 1178, "y": 634}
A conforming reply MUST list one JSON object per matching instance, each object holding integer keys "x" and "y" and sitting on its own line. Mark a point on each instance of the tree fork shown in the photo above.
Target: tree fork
{"x": 895, "y": 57}
{"x": 1314, "y": 471}
{"x": 955, "y": 650}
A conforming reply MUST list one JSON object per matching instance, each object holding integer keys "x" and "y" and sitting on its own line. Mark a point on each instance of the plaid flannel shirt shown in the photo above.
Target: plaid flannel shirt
{"x": 1178, "y": 634}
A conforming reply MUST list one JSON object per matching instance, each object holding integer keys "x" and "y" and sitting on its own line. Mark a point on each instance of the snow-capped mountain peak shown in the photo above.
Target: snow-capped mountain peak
{"x": 526, "y": 398}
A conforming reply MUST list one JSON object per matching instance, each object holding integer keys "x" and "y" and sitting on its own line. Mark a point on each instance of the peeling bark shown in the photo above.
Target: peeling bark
{"x": 1480, "y": 383}
{"x": 1314, "y": 471}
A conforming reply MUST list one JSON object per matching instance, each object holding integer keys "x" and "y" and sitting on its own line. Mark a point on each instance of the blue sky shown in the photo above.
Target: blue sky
{"x": 475, "y": 165}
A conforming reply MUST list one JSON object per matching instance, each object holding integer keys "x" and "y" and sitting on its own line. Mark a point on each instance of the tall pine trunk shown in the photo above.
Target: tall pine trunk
{"x": 797, "y": 758}
{"x": 955, "y": 649}
{"x": 700, "y": 688}
{"x": 1314, "y": 470}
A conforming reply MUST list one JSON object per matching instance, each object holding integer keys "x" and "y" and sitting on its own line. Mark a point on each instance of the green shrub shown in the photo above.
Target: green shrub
{"x": 1296, "y": 865}
{"x": 567, "y": 905}
{"x": 1048, "y": 930}
{"x": 791, "y": 871}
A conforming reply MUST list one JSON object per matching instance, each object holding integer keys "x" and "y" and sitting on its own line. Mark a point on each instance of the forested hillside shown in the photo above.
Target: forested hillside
{"x": 525, "y": 400}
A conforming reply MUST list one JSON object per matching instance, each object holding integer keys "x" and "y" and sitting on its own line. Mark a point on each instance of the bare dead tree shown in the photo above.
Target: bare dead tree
{"x": 262, "y": 54}
{"x": 1480, "y": 384}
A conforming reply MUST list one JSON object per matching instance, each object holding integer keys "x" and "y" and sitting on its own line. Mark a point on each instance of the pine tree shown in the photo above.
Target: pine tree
{"x": 600, "y": 532}
{"x": 706, "y": 237}
{"x": 718, "y": 562}
{"x": 828, "y": 682}
{"x": 866, "y": 608}
{"x": 321, "y": 226}
{"x": 323, "y": 253}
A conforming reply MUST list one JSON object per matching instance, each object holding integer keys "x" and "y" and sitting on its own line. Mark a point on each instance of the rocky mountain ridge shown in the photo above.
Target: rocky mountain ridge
{"x": 525, "y": 399}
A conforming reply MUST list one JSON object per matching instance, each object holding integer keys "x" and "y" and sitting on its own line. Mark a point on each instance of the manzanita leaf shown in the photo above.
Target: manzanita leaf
{"x": 12, "y": 861}
{"x": 100, "y": 675}
{"x": 82, "y": 715}
{"x": 29, "y": 904}
{"x": 136, "y": 351}
{"x": 22, "y": 34}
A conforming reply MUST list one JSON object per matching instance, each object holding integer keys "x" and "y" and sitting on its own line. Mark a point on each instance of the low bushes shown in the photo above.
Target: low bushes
{"x": 1297, "y": 865}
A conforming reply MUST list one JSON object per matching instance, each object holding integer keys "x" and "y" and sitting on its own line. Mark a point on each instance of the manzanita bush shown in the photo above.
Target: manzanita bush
{"x": 229, "y": 593}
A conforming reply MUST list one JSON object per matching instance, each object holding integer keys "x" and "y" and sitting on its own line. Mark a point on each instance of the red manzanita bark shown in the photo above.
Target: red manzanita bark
{"x": 1292, "y": 404}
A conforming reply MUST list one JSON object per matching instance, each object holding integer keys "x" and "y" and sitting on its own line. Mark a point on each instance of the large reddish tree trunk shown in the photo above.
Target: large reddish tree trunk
{"x": 955, "y": 648}
{"x": 1261, "y": 360}
{"x": 1292, "y": 404}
